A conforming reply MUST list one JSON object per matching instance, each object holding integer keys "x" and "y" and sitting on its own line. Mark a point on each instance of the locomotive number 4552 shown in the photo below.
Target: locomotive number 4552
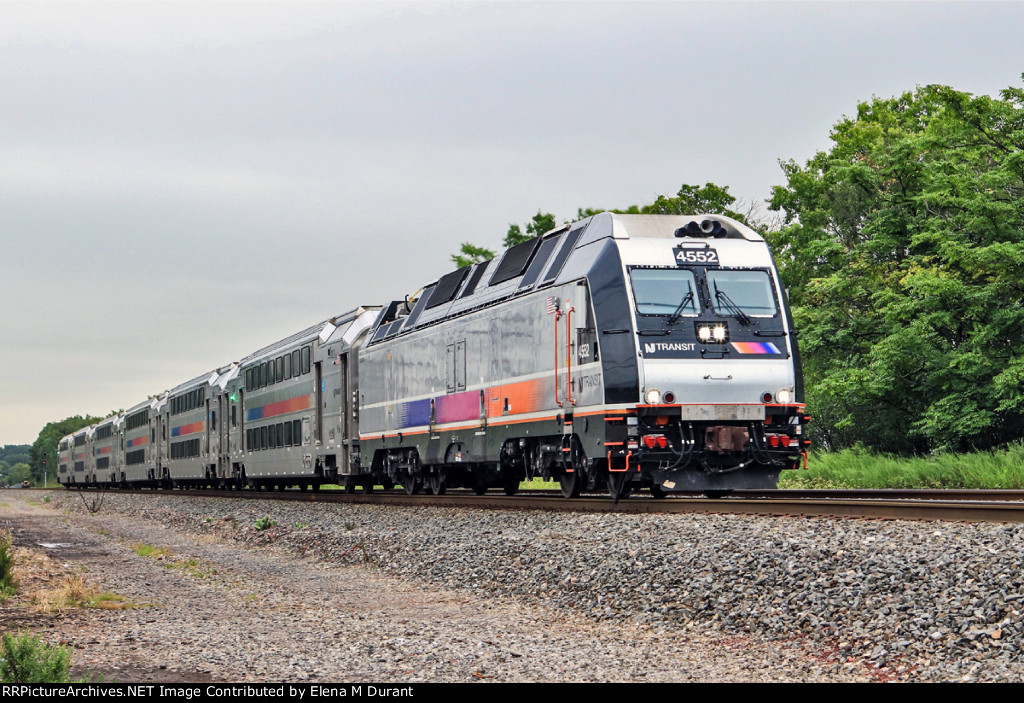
{"x": 701, "y": 257}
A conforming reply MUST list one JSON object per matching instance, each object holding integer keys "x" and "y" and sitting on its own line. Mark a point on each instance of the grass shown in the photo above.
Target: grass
{"x": 188, "y": 565}
{"x": 72, "y": 591}
{"x": 149, "y": 550}
{"x": 45, "y": 585}
{"x": 193, "y": 567}
{"x": 860, "y": 468}
{"x": 110, "y": 601}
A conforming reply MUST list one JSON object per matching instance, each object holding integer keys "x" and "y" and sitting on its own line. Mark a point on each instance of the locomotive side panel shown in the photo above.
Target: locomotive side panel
{"x": 452, "y": 400}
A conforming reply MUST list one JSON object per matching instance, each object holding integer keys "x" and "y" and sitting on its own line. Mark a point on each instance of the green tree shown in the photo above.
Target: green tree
{"x": 709, "y": 199}
{"x": 17, "y": 473}
{"x": 470, "y": 254}
{"x": 14, "y": 453}
{"x": 542, "y": 222}
{"x": 903, "y": 250}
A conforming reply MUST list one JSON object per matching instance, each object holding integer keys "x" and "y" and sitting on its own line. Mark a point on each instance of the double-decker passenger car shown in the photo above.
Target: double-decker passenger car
{"x": 65, "y": 462}
{"x": 105, "y": 454}
{"x": 295, "y": 423}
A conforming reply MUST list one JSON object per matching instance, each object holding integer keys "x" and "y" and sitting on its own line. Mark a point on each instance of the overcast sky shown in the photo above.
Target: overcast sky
{"x": 183, "y": 183}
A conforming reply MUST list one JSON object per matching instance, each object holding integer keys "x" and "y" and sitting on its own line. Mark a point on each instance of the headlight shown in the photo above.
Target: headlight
{"x": 784, "y": 396}
{"x": 652, "y": 397}
{"x": 714, "y": 332}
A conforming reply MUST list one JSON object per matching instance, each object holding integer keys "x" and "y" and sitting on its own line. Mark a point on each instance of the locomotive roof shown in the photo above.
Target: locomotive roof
{"x": 543, "y": 262}
{"x": 669, "y": 226}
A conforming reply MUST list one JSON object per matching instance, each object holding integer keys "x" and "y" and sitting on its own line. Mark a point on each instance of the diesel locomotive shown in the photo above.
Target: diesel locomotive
{"x": 617, "y": 353}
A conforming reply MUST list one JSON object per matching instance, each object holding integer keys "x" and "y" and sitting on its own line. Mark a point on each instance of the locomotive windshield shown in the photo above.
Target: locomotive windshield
{"x": 664, "y": 291}
{"x": 733, "y": 293}
{"x": 749, "y": 291}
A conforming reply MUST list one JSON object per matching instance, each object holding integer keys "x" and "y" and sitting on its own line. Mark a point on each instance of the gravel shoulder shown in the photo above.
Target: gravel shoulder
{"x": 391, "y": 594}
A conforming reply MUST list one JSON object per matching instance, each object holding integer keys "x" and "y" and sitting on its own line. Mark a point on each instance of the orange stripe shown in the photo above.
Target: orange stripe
{"x": 523, "y": 397}
{"x": 404, "y": 434}
{"x": 606, "y": 412}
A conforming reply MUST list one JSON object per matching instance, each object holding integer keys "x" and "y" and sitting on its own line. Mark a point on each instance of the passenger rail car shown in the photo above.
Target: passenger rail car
{"x": 282, "y": 416}
{"x": 617, "y": 353}
{"x": 296, "y": 419}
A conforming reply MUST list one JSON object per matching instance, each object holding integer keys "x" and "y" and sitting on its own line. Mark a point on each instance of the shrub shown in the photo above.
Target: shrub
{"x": 7, "y": 585}
{"x": 24, "y": 659}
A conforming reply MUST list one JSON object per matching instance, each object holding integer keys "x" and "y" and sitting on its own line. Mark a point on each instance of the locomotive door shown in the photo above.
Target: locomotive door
{"x": 564, "y": 351}
{"x": 318, "y": 394}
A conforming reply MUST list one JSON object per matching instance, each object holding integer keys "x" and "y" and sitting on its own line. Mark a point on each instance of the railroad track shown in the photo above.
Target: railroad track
{"x": 940, "y": 505}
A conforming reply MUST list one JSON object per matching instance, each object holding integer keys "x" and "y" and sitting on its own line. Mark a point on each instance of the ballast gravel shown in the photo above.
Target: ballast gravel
{"x": 349, "y": 592}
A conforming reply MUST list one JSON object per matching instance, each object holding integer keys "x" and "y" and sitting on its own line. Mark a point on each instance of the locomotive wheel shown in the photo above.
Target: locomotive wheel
{"x": 571, "y": 484}
{"x": 657, "y": 491}
{"x": 411, "y": 485}
{"x": 511, "y": 488}
{"x": 619, "y": 485}
{"x": 438, "y": 484}
{"x": 480, "y": 489}
{"x": 368, "y": 486}
{"x": 350, "y": 485}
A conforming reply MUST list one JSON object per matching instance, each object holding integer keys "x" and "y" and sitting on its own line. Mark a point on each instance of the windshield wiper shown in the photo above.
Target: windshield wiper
{"x": 687, "y": 300}
{"x": 732, "y": 307}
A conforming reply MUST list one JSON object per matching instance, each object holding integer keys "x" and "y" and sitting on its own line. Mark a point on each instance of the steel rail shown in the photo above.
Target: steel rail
{"x": 825, "y": 504}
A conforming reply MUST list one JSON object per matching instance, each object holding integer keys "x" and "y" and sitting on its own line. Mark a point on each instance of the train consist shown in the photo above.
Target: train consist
{"x": 620, "y": 352}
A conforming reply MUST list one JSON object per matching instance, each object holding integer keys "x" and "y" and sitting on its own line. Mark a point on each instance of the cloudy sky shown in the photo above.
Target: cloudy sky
{"x": 182, "y": 183}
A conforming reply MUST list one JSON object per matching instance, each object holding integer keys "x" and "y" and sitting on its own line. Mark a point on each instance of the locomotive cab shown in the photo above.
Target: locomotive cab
{"x": 719, "y": 383}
